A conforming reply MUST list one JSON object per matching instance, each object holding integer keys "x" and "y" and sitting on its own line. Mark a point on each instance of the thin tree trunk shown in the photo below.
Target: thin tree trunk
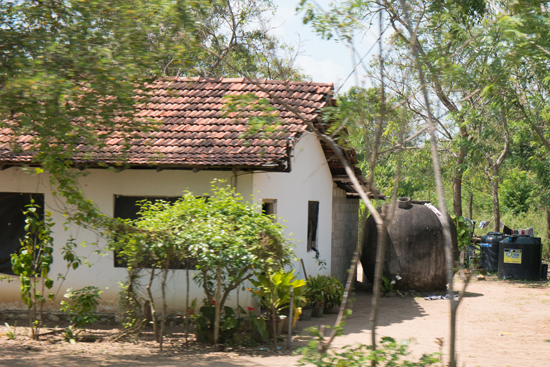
{"x": 548, "y": 224}
{"x": 457, "y": 183}
{"x": 164, "y": 304}
{"x": 152, "y": 305}
{"x": 378, "y": 271}
{"x": 187, "y": 303}
{"x": 217, "y": 320}
{"x": 449, "y": 261}
{"x": 274, "y": 320}
{"x": 496, "y": 167}
{"x": 496, "y": 207}
{"x": 471, "y": 206}
{"x": 380, "y": 227}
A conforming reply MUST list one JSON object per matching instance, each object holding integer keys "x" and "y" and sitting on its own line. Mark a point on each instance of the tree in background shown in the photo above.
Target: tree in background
{"x": 236, "y": 30}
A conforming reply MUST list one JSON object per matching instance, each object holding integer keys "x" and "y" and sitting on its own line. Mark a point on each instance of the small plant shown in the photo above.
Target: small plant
{"x": 81, "y": 306}
{"x": 273, "y": 290}
{"x": 315, "y": 291}
{"x": 334, "y": 292}
{"x": 257, "y": 324}
{"x": 11, "y": 334}
{"x": 462, "y": 231}
{"x": 131, "y": 303}
{"x": 323, "y": 291}
{"x": 206, "y": 319}
{"x": 70, "y": 335}
{"x": 32, "y": 263}
{"x": 387, "y": 285}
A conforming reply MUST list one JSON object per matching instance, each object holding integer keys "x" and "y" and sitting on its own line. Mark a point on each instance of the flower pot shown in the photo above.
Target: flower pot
{"x": 306, "y": 314}
{"x": 318, "y": 311}
{"x": 278, "y": 326}
{"x": 285, "y": 325}
{"x": 333, "y": 309}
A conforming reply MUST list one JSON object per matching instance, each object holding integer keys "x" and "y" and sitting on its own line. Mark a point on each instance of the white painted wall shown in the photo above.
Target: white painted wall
{"x": 101, "y": 186}
{"x": 309, "y": 180}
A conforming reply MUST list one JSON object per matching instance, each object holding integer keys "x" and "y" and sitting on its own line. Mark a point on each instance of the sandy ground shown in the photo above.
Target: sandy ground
{"x": 501, "y": 323}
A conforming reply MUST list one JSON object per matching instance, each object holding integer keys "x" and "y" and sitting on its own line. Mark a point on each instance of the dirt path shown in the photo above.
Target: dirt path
{"x": 500, "y": 324}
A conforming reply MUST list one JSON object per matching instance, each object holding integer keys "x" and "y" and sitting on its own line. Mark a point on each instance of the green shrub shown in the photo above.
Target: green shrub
{"x": 323, "y": 291}
{"x": 82, "y": 305}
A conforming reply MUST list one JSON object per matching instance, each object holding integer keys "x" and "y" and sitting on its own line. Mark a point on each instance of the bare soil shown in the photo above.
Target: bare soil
{"x": 501, "y": 323}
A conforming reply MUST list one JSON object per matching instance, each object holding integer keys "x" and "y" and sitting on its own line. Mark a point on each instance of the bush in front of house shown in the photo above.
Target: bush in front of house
{"x": 226, "y": 237}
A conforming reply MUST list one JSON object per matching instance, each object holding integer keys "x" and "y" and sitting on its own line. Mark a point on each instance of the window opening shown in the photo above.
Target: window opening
{"x": 12, "y": 224}
{"x": 127, "y": 207}
{"x": 269, "y": 207}
{"x": 312, "y": 224}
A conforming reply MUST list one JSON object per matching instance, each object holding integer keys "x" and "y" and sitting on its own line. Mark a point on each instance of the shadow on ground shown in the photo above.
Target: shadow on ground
{"x": 393, "y": 310}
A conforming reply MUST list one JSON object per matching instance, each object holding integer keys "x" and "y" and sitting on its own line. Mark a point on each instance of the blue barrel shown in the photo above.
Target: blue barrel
{"x": 520, "y": 257}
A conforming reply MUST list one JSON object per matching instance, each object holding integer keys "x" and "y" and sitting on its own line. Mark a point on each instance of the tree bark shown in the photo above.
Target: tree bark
{"x": 152, "y": 305}
{"x": 457, "y": 183}
{"x": 217, "y": 320}
{"x": 496, "y": 207}
{"x": 548, "y": 224}
{"x": 381, "y": 227}
{"x": 449, "y": 261}
{"x": 187, "y": 315}
{"x": 378, "y": 271}
{"x": 164, "y": 304}
{"x": 471, "y": 206}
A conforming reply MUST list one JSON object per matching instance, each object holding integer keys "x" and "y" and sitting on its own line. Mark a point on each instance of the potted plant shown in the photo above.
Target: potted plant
{"x": 273, "y": 290}
{"x": 315, "y": 294}
{"x": 334, "y": 292}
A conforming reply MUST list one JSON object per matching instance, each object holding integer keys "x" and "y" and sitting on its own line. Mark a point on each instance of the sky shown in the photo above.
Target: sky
{"x": 324, "y": 61}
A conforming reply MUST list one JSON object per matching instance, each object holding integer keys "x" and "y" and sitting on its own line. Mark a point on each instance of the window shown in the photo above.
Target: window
{"x": 127, "y": 207}
{"x": 312, "y": 224}
{"x": 12, "y": 224}
{"x": 269, "y": 207}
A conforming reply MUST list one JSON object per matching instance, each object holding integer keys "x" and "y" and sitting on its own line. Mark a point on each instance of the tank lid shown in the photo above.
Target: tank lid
{"x": 404, "y": 202}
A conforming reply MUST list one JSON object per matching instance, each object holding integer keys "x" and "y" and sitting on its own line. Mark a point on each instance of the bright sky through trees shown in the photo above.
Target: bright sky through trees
{"x": 324, "y": 61}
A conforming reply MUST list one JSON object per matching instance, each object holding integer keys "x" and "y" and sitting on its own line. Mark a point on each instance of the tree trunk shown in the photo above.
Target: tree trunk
{"x": 457, "y": 183}
{"x": 187, "y": 303}
{"x": 548, "y": 224}
{"x": 378, "y": 271}
{"x": 217, "y": 320}
{"x": 152, "y": 304}
{"x": 274, "y": 319}
{"x": 471, "y": 206}
{"x": 449, "y": 261}
{"x": 164, "y": 304}
{"x": 496, "y": 208}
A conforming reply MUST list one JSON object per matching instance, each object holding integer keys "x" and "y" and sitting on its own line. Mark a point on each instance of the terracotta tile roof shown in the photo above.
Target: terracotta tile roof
{"x": 193, "y": 131}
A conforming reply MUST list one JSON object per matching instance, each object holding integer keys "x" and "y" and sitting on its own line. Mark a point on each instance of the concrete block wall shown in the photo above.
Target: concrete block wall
{"x": 345, "y": 224}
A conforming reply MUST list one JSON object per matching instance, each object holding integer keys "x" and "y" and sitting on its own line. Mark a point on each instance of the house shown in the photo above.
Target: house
{"x": 293, "y": 174}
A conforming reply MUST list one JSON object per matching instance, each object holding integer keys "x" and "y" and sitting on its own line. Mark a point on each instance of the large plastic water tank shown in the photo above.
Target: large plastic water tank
{"x": 414, "y": 248}
{"x": 520, "y": 257}
{"x": 489, "y": 248}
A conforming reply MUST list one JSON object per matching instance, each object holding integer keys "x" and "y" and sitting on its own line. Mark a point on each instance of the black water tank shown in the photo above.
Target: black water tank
{"x": 489, "y": 250}
{"x": 414, "y": 249}
{"x": 520, "y": 257}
